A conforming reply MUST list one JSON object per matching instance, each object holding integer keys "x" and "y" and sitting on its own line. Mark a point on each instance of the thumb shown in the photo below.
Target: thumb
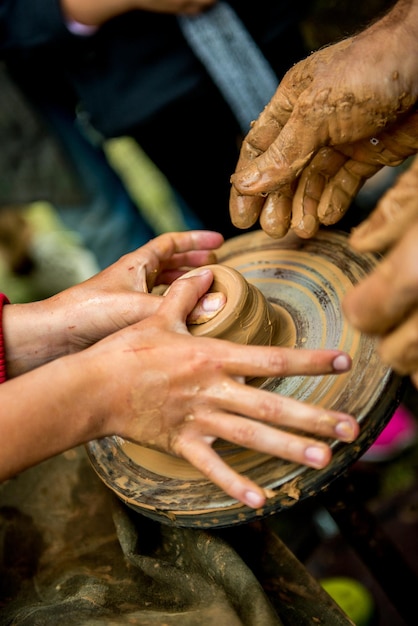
{"x": 393, "y": 216}
{"x": 183, "y": 294}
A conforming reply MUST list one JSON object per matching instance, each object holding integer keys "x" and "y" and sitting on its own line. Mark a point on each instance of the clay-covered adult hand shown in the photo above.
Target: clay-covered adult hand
{"x": 163, "y": 388}
{"x": 336, "y": 118}
{"x": 386, "y": 302}
{"x": 116, "y": 297}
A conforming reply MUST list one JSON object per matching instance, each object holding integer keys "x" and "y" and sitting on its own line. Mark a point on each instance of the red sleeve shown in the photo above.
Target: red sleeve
{"x": 3, "y": 301}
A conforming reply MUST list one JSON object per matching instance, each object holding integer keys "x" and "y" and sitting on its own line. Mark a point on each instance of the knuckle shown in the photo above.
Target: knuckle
{"x": 208, "y": 467}
{"x": 178, "y": 443}
{"x": 246, "y": 432}
{"x": 182, "y": 437}
{"x": 278, "y": 361}
{"x": 269, "y": 409}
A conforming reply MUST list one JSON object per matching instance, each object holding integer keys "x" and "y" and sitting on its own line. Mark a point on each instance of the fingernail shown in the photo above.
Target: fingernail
{"x": 307, "y": 226}
{"x": 341, "y": 363}
{"x": 251, "y": 177}
{"x": 212, "y": 302}
{"x": 315, "y": 455}
{"x": 345, "y": 431}
{"x": 254, "y": 499}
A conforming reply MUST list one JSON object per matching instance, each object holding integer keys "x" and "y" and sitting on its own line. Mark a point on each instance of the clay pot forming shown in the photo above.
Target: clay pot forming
{"x": 284, "y": 292}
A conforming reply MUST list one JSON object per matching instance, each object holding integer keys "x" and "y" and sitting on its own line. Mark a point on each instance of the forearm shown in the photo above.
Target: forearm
{"x": 95, "y": 12}
{"x": 34, "y": 334}
{"x": 47, "y": 411}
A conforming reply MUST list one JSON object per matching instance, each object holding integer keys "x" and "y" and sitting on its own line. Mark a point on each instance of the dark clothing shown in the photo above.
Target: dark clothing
{"x": 137, "y": 76}
{"x": 136, "y": 64}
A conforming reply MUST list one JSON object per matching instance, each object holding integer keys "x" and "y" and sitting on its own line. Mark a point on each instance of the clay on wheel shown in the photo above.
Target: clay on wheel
{"x": 280, "y": 292}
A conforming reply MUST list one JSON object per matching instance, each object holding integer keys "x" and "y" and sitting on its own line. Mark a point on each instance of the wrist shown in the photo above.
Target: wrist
{"x": 399, "y": 26}
{"x": 33, "y": 334}
{"x": 91, "y": 394}
{"x": 396, "y": 66}
{"x": 50, "y": 410}
{"x": 83, "y": 396}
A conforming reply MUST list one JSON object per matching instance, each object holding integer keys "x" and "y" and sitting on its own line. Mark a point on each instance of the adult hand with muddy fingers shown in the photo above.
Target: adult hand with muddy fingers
{"x": 335, "y": 119}
{"x": 116, "y": 297}
{"x": 386, "y": 302}
{"x": 178, "y": 393}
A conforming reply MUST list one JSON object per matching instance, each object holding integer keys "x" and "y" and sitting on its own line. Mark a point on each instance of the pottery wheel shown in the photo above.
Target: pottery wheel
{"x": 300, "y": 284}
